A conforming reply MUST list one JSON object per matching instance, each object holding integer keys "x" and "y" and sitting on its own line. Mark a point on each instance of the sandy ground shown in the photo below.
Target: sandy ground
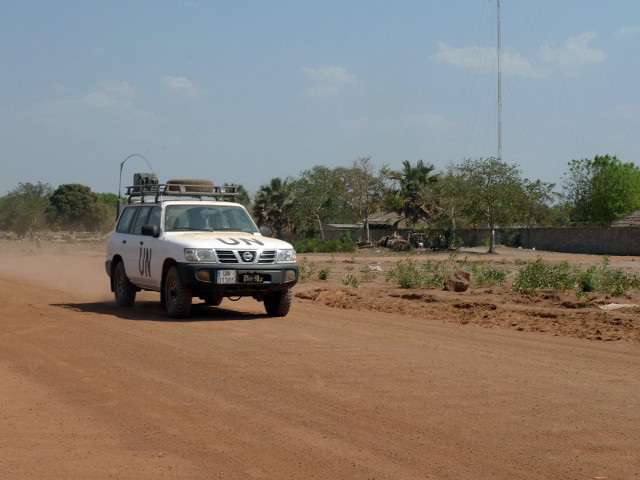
{"x": 373, "y": 382}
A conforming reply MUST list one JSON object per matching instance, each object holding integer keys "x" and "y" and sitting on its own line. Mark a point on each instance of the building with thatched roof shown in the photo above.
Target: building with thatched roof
{"x": 630, "y": 220}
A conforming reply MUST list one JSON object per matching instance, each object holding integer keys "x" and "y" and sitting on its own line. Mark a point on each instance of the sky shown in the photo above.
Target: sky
{"x": 242, "y": 91}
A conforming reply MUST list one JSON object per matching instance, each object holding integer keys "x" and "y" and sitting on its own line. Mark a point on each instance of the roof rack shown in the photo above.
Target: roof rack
{"x": 201, "y": 189}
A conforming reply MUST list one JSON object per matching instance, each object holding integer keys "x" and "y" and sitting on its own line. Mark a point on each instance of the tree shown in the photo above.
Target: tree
{"x": 274, "y": 204}
{"x": 321, "y": 188}
{"x": 496, "y": 194}
{"x": 76, "y": 207}
{"x": 601, "y": 190}
{"x": 414, "y": 189}
{"x": 446, "y": 198}
{"x": 22, "y": 210}
{"x": 362, "y": 190}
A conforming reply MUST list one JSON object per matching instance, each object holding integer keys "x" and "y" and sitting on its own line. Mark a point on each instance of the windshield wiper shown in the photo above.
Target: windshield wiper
{"x": 192, "y": 229}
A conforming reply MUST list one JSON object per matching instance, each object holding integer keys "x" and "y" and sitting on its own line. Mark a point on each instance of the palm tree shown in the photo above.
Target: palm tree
{"x": 273, "y": 204}
{"x": 414, "y": 186}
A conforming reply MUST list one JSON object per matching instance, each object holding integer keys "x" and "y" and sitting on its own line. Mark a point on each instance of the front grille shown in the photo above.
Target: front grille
{"x": 233, "y": 256}
{"x": 268, "y": 256}
{"x": 226, "y": 256}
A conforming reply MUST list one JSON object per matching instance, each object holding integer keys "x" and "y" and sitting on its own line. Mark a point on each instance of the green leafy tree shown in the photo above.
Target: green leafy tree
{"x": 321, "y": 188}
{"x": 274, "y": 204}
{"x": 601, "y": 190}
{"x": 110, "y": 201}
{"x": 446, "y": 198}
{"x": 496, "y": 194}
{"x": 22, "y": 210}
{"x": 414, "y": 190}
{"x": 76, "y": 207}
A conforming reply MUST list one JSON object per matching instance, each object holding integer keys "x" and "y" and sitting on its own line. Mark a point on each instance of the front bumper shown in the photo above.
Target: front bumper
{"x": 250, "y": 279}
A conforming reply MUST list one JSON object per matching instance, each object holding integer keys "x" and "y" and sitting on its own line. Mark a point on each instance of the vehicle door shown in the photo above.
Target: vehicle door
{"x": 121, "y": 240}
{"x": 140, "y": 250}
{"x": 153, "y": 255}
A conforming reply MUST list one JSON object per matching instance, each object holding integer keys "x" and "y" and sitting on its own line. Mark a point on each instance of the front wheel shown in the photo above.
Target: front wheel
{"x": 177, "y": 296}
{"x": 124, "y": 290}
{"x": 278, "y": 304}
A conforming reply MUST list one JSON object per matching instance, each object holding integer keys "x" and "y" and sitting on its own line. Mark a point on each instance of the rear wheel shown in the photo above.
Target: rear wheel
{"x": 177, "y": 296}
{"x": 278, "y": 304}
{"x": 124, "y": 290}
{"x": 212, "y": 300}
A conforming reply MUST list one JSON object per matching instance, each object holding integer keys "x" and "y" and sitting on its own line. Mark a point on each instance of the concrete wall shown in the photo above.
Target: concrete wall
{"x": 590, "y": 240}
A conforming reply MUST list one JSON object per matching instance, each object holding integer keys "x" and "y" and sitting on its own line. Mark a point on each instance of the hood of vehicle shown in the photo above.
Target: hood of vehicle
{"x": 229, "y": 240}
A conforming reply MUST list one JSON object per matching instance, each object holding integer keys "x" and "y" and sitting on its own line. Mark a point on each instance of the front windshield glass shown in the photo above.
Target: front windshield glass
{"x": 208, "y": 218}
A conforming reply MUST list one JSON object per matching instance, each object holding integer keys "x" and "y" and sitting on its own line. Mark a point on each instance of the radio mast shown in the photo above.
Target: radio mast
{"x": 499, "y": 89}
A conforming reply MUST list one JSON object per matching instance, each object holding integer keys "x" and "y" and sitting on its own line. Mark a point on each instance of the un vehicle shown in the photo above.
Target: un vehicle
{"x": 188, "y": 238}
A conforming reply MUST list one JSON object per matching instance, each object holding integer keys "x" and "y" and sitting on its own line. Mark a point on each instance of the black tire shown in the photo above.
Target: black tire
{"x": 177, "y": 296}
{"x": 123, "y": 289}
{"x": 278, "y": 304}
{"x": 212, "y": 300}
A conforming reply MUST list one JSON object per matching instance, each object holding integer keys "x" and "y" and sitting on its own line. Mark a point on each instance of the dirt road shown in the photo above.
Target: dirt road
{"x": 90, "y": 391}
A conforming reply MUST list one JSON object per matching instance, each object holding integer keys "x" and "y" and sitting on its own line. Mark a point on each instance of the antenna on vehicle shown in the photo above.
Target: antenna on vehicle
{"x": 120, "y": 179}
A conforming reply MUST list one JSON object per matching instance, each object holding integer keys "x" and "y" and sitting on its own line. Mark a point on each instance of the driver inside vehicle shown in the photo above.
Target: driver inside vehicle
{"x": 197, "y": 219}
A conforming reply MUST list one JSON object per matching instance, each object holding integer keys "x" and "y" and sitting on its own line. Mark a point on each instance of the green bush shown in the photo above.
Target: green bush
{"x": 538, "y": 274}
{"x": 316, "y": 245}
{"x": 324, "y": 273}
{"x": 488, "y": 275}
{"x": 410, "y": 274}
{"x": 350, "y": 281}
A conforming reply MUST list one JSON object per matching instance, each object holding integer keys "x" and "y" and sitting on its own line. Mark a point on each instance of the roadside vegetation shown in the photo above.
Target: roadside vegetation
{"x": 527, "y": 278}
{"x": 435, "y": 203}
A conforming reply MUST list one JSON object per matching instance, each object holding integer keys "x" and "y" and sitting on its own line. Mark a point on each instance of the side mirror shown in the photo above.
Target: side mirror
{"x": 150, "y": 231}
{"x": 265, "y": 231}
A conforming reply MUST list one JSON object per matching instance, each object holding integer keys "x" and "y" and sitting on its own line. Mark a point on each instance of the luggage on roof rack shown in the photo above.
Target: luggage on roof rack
{"x": 182, "y": 188}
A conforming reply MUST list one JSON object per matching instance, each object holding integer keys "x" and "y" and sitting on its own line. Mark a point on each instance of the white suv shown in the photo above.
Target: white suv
{"x": 183, "y": 241}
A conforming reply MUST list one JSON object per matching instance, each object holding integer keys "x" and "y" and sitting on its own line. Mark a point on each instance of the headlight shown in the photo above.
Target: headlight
{"x": 200, "y": 255}
{"x": 287, "y": 255}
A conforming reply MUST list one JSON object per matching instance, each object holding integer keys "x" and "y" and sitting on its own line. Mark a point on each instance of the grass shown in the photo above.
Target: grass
{"x": 528, "y": 277}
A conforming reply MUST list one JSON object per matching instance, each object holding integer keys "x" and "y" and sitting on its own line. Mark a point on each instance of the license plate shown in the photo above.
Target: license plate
{"x": 226, "y": 276}
{"x": 252, "y": 278}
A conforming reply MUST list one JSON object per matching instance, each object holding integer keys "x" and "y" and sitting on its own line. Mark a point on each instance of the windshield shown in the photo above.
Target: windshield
{"x": 208, "y": 218}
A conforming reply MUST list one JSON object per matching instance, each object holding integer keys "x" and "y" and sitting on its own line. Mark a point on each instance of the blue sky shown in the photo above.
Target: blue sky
{"x": 244, "y": 91}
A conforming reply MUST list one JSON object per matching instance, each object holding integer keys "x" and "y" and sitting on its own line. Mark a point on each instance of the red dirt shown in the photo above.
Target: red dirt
{"x": 369, "y": 383}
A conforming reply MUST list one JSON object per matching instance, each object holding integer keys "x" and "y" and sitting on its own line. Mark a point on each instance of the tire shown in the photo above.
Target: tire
{"x": 191, "y": 185}
{"x": 278, "y": 304}
{"x": 177, "y": 296}
{"x": 123, "y": 289}
{"x": 212, "y": 300}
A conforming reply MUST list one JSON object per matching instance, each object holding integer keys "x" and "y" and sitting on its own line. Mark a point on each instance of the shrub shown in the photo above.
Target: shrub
{"x": 324, "y": 273}
{"x": 316, "y": 245}
{"x": 538, "y": 274}
{"x": 306, "y": 269}
{"x": 488, "y": 275}
{"x": 406, "y": 274}
{"x": 410, "y": 274}
{"x": 368, "y": 274}
{"x": 350, "y": 281}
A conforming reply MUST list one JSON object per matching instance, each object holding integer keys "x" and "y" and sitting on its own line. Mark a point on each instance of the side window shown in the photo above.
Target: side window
{"x": 141, "y": 219}
{"x": 154, "y": 217}
{"x": 125, "y": 220}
